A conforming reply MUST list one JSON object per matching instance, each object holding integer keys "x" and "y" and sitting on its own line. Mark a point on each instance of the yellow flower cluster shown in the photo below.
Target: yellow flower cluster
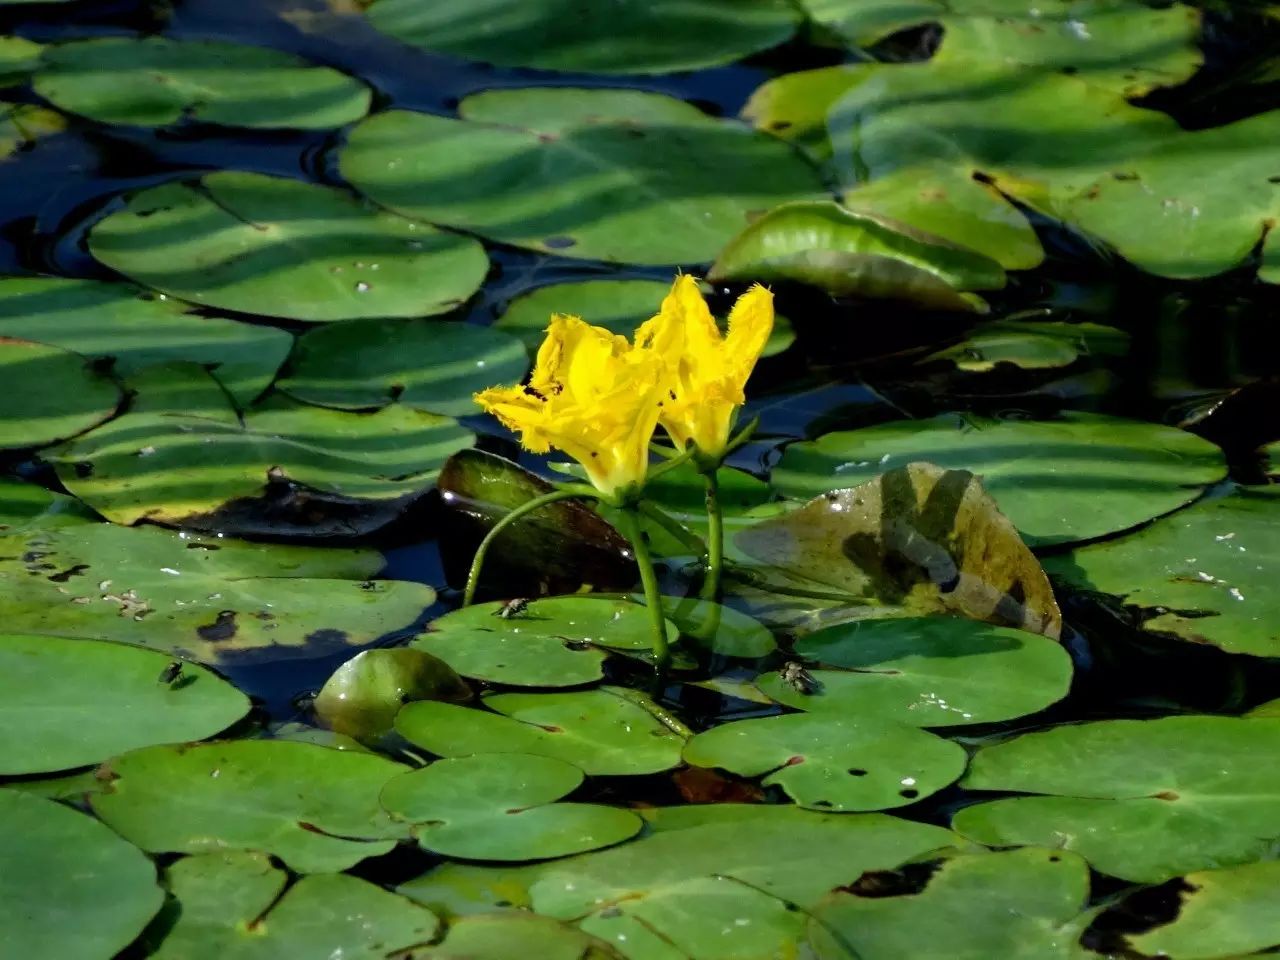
{"x": 599, "y": 397}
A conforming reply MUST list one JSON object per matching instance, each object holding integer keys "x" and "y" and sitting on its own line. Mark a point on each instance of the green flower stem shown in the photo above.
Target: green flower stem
{"x": 629, "y": 521}
{"x": 715, "y": 538}
{"x": 473, "y": 575}
{"x": 689, "y": 540}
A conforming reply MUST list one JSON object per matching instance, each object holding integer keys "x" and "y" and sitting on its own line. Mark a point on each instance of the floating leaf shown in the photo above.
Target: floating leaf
{"x": 502, "y": 807}
{"x": 50, "y": 394}
{"x": 1203, "y": 574}
{"x": 21, "y": 124}
{"x": 154, "y": 81}
{"x": 234, "y": 906}
{"x": 926, "y": 672}
{"x": 136, "y": 329}
{"x": 1032, "y": 345}
{"x": 25, "y": 507}
{"x": 361, "y": 698}
{"x": 518, "y": 936}
{"x": 833, "y": 762}
{"x": 314, "y": 808}
{"x": 543, "y": 168}
{"x": 53, "y": 691}
{"x": 719, "y": 629}
{"x": 919, "y": 538}
{"x": 181, "y": 456}
{"x": 1074, "y": 478}
{"x": 427, "y": 365}
{"x": 1143, "y": 800}
{"x": 862, "y": 254}
{"x": 204, "y": 599}
{"x": 70, "y": 887}
{"x": 1020, "y": 905}
{"x": 284, "y": 248}
{"x": 18, "y": 57}
{"x": 602, "y": 731}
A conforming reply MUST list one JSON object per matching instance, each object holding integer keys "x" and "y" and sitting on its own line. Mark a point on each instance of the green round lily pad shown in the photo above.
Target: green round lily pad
{"x": 501, "y": 806}
{"x": 314, "y": 808}
{"x": 1075, "y": 478}
{"x": 518, "y": 936}
{"x": 284, "y": 248}
{"x": 506, "y": 655}
{"x": 925, "y": 672}
{"x": 616, "y": 622}
{"x": 361, "y": 698}
{"x": 25, "y": 507}
{"x": 50, "y": 394}
{"x": 80, "y": 701}
{"x": 70, "y": 888}
{"x": 833, "y": 762}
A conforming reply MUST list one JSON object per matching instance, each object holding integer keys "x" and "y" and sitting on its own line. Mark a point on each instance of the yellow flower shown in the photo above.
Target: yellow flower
{"x": 706, "y": 371}
{"x": 591, "y": 395}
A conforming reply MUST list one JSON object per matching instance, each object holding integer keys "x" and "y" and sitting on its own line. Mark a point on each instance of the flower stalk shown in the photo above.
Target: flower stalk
{"x": 629, "y": 521}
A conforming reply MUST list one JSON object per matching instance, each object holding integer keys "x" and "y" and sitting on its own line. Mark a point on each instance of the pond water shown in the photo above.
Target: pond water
{"x": 1055, "y": 268}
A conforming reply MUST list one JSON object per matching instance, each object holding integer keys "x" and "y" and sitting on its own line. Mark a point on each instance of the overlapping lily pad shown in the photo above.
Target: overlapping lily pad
{"x": 516, "y": 936}
{"x": 155, "y": 81}
{"x": 1203, "y": 574}
{"x": 22, "y": 124}
{"x": 833, "y": 762}
{"x": 235, "y": 906}
{"x": 659, "y": 36}
{"x": 1074, "y": 478}
{"x": 603, "y": 732}
{"x": 208, "y": 599}
{"x": 18, "y": 57}
{"x": 135, "y": 329}
{"x": 314, "y": 808}
{"x": 361, "y": 698}
{"x": 70, "y": 888}
{"x": 25, "y": 506}
{"x": 79, "y": 701}
{"x": 50, "y": 394}
{"x": 284, "y": 248}
{"x": 1032, "y": 345}
{"x": 926, "y": 672}
{"x": 1143, "y": 800}
{"x": 501, "y": 806}
{"x": 182, "y": 456}
{"x": 427, "y": 365}
{"x": 544, "y": 168}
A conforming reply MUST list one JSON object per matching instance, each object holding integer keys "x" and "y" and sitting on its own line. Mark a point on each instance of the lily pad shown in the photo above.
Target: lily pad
{"x": 518, "y": 936}
{"x": 543, "y": 169}
{"x": 18, "y": 57}
{"x": 514, "y": 656}
{"x": 1224, "y": 913}
{"x": 619, "y": 623}
{"x": 205, "y": 599}
{"x": 1021, "y": 905}
{"x": 71, "y": 888}
{"x": 1078, "y": 477}
{"x": 427, "y": 365}
{"x": 235, "y": 906}
{"x": 833, "y": 762}
{"x": 25, "y": 507}
{"x": 1031, "y": 345}
{"x": 53, "y": 691}
{"x": 314, "y": 808}
{"x": 21, "y": 124}
{"x": 501, "y": 806}
{"x": 283, "y": 248}
{"x": 1143, "y": 800}
{"x": 135, "y": 329}
{"x": 154, "y": 81}
{"x": 50, "y": 394}
{"x": 181, "y": 456}
{"x": 659, "y": 36}
{"x": 1202, "y": 574}
{"x": 719, "y": 629}
{"x": 926, "y": 672}
{"x": 361, "y": 698}
{"x": 602, "y": 731}
{"x": 919, "y": 540}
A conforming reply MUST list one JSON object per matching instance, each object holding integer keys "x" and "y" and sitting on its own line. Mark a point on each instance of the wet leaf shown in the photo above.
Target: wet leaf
{"x": 50, "y": 394}
{"x": 71, "y": 888}
{"x": 361, "y": 698}
{"x": 1078, "y": 477}
{"x": 925, "y": 672}
{"x": 154, "y": 81}
{"x": 53, "y": 691}
{"x": 543, "y": 168}
{"x": 833, "y": 762}
{"x": 919, "y": 539}
{"x": 1033, "y": 345}
{"x": 235, "y": 906}
{"x": 182, "y": 457}
{"x": 283, "y": 248}
{"x": 502, "y": 807}
{"x": 1143, "y": 800}
{"x": 314, "y": 808}
{"x": 600, "y": 731}
{"x": 518, "y": 936}
{"x": 211, "y": 600}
